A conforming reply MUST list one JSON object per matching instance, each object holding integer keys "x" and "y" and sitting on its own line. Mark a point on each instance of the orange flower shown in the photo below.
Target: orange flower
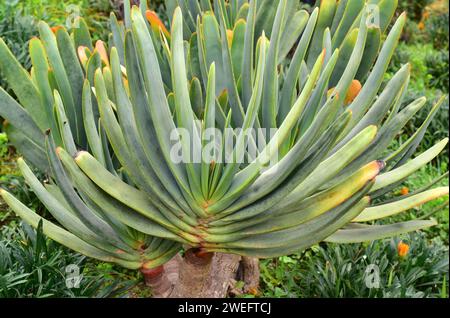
{"x": 56, "y": 28}
{"x": 402, "y": 249}
{"x": 404, "y": 191}
{"x": 421, "y": 26}
{"x": 253, "y": 291}
{"x": 353, "y": 92}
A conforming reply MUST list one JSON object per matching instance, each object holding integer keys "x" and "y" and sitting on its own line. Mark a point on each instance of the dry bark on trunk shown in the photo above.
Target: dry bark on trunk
{"x": 203, "y": 275}
{"x": 223, "y": 271}
{"x": 163, "y": 279}
{"x": 119, "y": 6}
{"x": 250, "y": 274}
{"x": 193, "y": 275}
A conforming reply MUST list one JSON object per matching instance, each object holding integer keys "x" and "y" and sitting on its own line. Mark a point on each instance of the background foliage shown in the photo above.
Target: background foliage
{"x": 33, "y": 266}
{"x": 18, "y": 21}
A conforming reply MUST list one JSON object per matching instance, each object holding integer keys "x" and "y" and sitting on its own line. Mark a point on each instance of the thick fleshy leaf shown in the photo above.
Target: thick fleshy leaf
{"x": 409, "y": 168}
{"x": 20, "y": 82}
{"x": 17, "y": 116}
{"x": 62, "y": 236}
{"x": 385, "y": 210}
{"x": 377, "y": 232}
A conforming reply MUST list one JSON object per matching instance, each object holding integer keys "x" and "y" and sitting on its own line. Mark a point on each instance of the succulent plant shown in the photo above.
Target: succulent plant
{"x": 110, "y": 121}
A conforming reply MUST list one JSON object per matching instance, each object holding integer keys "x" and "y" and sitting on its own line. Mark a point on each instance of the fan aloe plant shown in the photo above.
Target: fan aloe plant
{"x": 117, "y": 130}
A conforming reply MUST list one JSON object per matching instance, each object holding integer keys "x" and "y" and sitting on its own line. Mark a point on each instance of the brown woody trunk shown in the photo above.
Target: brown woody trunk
{"x": 119, "y": 6}
{"x": 203, "y": 275}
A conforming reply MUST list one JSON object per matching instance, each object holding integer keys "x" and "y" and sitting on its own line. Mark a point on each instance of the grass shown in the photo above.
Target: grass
{"x": 33, "y": 266}
{"x": 19, "y": 19}
{"x": 370, "y": 270}
{"x": 58, "y": 12}
{"x": 5, "y": 175}
{"x": 12, "y": 180}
